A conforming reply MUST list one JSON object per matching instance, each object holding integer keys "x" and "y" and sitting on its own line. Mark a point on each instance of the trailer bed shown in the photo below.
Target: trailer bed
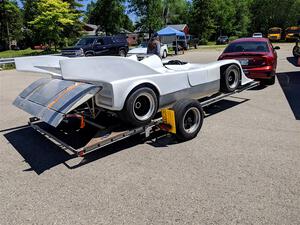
{"x": 91, "y": 138}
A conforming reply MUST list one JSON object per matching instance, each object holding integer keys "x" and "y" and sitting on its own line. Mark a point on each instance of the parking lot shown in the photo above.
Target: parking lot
{"x": 242, "y": 168}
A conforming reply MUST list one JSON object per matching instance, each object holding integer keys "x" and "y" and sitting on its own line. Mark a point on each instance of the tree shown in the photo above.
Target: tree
{"x": 52, "y": 19}
{"x": 109, "y": 14}
{"x": 10, "y": 23}
{"x": 72, "y": 31}
{"x": 271, "y": 13}
{"x": 242, "y": 17}
{"x": 150, "y": 13}
{"x": 30, "y": 11}
{"x": 175, "y": 11}
{"x": 202, "y": 21}
{"x": 127, "y": 23}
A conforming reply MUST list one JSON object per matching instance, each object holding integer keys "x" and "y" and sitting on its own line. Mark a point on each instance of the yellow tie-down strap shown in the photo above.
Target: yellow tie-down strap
{"x": 168, "y": 117}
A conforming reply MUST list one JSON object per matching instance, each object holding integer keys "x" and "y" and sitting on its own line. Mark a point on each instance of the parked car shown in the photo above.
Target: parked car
{"x": 257, "y": 56}
{"x": 98, "y": 45}
{"x": 141, "y": 50}
{"x": 222, "y": 40}
{"x": 257, "y": 35}
{"x": 131, "y": 89}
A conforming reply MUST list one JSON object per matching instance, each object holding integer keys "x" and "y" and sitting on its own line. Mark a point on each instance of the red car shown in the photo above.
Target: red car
{"x": 257, "y": 56}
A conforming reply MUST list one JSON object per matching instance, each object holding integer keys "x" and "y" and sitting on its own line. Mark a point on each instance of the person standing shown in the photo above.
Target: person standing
{"x": 154, "y": 46}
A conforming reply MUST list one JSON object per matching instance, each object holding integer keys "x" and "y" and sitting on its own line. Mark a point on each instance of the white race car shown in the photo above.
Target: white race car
{"x": 141, "y": 50}
{"x": 134, "y": 90}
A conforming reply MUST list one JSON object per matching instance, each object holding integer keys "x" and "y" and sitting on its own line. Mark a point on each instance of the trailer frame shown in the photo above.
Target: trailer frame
{"x": 97, "y": 142}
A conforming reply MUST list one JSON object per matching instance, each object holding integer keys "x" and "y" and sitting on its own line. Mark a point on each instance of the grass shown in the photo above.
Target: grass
{"x": 25, "y": 52}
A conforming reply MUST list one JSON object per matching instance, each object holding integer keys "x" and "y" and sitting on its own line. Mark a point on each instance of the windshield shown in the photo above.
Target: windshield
{"x": 223, "y": 37}
{"x": 85, "y": 41}
{"x": 293, "y": 31}
{"x": 274, "y": 31}
{"x": 247, "y": 46}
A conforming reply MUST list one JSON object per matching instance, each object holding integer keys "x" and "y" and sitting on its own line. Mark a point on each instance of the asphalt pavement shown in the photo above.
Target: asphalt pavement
{"x": 242, "y": 168}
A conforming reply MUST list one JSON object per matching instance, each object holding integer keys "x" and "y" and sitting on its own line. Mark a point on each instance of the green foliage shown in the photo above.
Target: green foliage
{"x": 175, "y": 11}
{"x": 109, "y": 14}
{"x": 150, "y": 13}
{"x": 202, "y": 21}
{"x": 274, "y": 13}
{"x": 11, "y": 22}
{"x": 52, "y": 20}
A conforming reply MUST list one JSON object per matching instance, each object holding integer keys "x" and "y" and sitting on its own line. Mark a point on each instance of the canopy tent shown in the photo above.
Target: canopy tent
{"x": 169, "y": 31}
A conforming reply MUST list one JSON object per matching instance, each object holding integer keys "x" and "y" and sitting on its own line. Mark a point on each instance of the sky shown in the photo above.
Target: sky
{"x": 85, "y": 2}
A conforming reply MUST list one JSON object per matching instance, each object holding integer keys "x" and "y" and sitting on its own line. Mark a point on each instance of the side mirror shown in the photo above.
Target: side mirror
{"x": 276, "y": 48}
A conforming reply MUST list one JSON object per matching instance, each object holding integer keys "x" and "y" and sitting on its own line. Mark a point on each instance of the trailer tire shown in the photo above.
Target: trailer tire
{"x": 140, "y": 107}
{"x": 230, "y": 78}
{"x": 189, "y": 119}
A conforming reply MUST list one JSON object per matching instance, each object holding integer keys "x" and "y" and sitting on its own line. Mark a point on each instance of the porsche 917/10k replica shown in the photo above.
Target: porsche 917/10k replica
{"x": 133, "y": 90}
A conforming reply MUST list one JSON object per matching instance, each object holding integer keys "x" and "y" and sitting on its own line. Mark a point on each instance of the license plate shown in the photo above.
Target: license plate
{"x": 244, "y": 62}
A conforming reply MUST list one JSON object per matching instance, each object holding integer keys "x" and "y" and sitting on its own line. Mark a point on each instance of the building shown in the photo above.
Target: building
{"x": 181, "y": 27}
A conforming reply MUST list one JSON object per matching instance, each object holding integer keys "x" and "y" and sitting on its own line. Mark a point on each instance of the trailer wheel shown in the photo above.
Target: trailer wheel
{"x": 230, "y": 78}
{"x": 189, "y": 118}
{"x": 140, "y": 107}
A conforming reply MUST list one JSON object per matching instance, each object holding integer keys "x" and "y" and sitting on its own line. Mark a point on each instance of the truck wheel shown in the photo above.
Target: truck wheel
{"x": 165, "y": 54}
{"x": 230, "y": 78}
{"x": 140, "y": 107}
{"x": 189, "y": 118}
{"x": 89, "y": 54}
{"x": 122, "y": 53}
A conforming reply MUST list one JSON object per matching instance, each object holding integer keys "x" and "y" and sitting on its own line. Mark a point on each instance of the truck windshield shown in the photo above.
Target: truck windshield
{"x": 247, "y": 46}
{"x": 85, "y": 41}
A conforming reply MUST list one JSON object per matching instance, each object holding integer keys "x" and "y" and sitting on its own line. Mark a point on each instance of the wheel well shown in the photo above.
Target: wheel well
{"x": 224, "y": 67}
{"x": 151, "y": 86}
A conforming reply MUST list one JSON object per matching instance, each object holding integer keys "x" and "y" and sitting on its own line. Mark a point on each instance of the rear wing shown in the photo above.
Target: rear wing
{"x": 40, "y": 64}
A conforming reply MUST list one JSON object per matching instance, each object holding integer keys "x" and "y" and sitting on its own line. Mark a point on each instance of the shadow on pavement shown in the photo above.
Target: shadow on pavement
{"x": 290, "y": 84}
{"x": 41, "y": 154}
{"x": 293, "y": 61}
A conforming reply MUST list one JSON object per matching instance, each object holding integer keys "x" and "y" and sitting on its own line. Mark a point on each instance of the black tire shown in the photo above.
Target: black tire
{"x": 189, "y": 119}
{"x": 296, "y": 51}
{"x": 122, "y": 53}
{"x": 230, "y": 78}
{"x": 140, "y": 107}
{"x": 269, "y": 81}
{"x": 165, "y": 54}
{"x": 89, "y": 54}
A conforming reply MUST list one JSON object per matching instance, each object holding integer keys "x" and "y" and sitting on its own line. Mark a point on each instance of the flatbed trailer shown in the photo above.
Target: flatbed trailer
{"x": 96, "y": 136}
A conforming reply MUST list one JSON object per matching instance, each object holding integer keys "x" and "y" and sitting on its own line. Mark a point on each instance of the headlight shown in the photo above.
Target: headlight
{"x": 79, "y": 52}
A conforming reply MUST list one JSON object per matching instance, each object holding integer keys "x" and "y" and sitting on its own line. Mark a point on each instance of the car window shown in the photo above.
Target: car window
{"x": 99, "y": 41}
{"x": 85, "y": 41}
{"x": 247, "y": 46}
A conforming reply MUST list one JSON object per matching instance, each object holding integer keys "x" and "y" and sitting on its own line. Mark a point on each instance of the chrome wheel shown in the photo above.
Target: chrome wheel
{"x": 144, "y": 106}
{"x": 233, "y": 78}
{"x": 191, "y": 120}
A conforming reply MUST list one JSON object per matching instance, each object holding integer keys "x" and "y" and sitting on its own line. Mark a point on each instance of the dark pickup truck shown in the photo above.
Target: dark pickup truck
{"x": 98, "y": 45}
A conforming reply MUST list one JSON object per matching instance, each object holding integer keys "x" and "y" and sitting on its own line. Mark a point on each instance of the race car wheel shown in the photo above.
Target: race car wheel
{"x": 189, "y": 119}
{"x": 230, "y": 78}
{"x": 165, "y": 54}
{"x": 140, "y": 107}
